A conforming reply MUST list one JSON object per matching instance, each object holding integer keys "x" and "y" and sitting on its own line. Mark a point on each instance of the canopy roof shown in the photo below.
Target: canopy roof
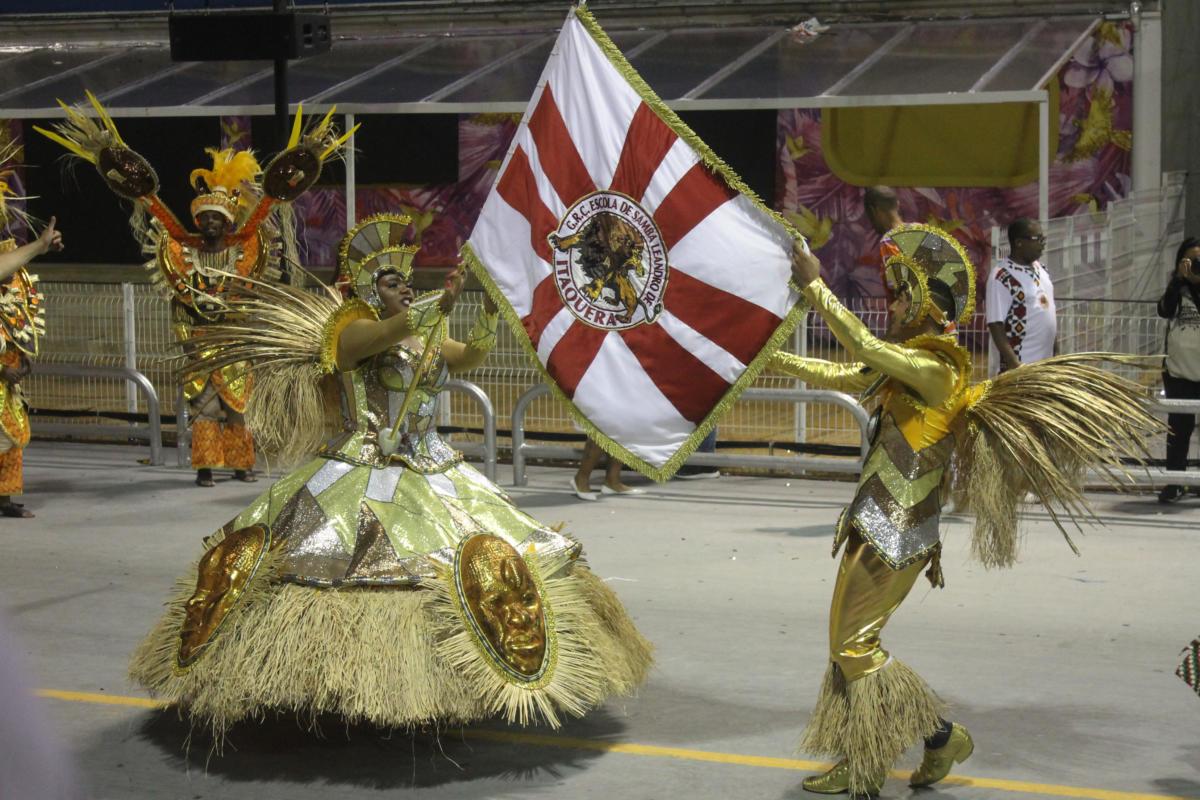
{"x": 888, "y": 63}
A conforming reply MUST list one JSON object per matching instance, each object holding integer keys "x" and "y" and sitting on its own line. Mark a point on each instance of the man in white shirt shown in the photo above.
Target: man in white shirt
{"x": 1020, "y": 301}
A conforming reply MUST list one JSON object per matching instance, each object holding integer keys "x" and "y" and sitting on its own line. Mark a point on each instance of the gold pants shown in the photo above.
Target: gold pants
{"x": 865, "y": 596}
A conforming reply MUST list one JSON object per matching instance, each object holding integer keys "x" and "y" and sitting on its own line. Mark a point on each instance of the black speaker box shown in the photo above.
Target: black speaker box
{"x": 248, "y": 35}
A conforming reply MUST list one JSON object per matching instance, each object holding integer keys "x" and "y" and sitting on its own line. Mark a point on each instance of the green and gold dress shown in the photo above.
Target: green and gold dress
{"x": 384, "y": 580}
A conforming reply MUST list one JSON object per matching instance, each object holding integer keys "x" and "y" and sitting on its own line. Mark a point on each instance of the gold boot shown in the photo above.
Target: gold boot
{"x": 837, "y": 781}
{"x": 937, "y": 763}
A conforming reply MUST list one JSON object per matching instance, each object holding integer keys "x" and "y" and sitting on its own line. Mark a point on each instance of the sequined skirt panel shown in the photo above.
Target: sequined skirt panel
{"x": 342, "y": 524}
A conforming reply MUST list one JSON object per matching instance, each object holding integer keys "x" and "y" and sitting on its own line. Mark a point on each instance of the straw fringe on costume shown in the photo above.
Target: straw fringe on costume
{"x": 1038, "y": 429}
{"x": 871, "y": 721}
{"x": 379, "y": 655}
{"x": 590, "y": 662}
{"x": 284, "y": 333}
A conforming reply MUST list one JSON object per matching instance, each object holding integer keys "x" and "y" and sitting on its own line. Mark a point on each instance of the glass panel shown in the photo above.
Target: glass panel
{"x": 515, "y": 81}
{"x": 679, "y": 63}
{"x": 804, "y": 67}
{"x": 1039, "y": 54}
{"x": 183, "y": 87}
{"x": 42, "y": 63}
{"x": 133, "y": 66}
{"x": 443, "y": 64}
{"x": 311, "y": 76}
{"x": 940, "y": 57}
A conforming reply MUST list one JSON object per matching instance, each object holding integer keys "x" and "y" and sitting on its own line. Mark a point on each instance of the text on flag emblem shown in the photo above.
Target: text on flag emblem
{"x": 610, "y": 262}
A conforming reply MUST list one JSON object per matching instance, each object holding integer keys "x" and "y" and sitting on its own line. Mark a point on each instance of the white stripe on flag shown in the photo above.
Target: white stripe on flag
{"x": 558, "y": 326}
{"x": 583, "y": 83}
{"x": 502, "y": 229}
{"x": 715, "y": 357}
{"x": 732, "y": 236}
{"x": 544, "y": 187}
{"x": 619, "y": 398}
{"x": 679, "y": 159}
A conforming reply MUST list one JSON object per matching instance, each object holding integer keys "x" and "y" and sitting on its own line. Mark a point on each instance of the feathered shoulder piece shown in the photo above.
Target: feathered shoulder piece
{"x": 1039, "y": 429}
{"x": 286, "y": 338}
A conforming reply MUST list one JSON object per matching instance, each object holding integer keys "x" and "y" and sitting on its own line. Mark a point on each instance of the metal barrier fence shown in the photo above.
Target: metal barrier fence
{"x": 129, "y": 326}
{"x": 138, "y": 383}
{"x": 795, "y": 464}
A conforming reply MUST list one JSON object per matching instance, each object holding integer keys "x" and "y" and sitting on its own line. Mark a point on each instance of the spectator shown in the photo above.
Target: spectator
{"x": 1180, "y": 304}
{"x": 695, "y": 472}
{"x": 581, "y": 483}
{"x": 882, "y": 207}
{"x": 1020, "y": 301}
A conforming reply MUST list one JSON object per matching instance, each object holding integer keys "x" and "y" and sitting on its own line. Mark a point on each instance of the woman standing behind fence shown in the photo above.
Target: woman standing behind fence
{"x": 1180, "y": 304}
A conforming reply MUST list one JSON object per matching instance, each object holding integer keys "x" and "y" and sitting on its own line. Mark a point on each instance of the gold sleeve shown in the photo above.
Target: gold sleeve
{"x": 851, "y": 378}
{"x": 918, "y": 369}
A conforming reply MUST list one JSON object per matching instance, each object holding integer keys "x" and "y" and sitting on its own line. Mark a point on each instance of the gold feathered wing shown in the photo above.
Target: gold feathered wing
{"x": 1039, "y": 429}
{"x": 286, "y": 337}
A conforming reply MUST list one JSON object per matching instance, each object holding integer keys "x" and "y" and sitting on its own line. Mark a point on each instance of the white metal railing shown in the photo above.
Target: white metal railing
{"x": 521, "y": 450}
{"x": 87, "y": 324}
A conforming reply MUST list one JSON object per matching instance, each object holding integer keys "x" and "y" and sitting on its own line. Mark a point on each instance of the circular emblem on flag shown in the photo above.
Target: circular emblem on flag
{"x": 610, "y": 263}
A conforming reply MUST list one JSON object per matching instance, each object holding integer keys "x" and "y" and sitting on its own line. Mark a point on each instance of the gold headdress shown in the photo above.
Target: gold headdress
{"x": 372, "y": 247}
{"x": 8, "y": 156}
{"x": 99, "y": 143}
{"x": 22, "y": 317}
{"x": 230, "y": 170}
{"x": 928, "y": 255}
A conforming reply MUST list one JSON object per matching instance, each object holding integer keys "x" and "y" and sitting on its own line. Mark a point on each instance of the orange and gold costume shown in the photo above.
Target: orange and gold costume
{"x": 197, "y": 276}
{"x": 21, "y": 325}
{"x": 14, "y": 425}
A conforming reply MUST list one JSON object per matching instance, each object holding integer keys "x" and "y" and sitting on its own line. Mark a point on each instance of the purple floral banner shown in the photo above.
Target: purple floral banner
{"x": 1090, "y": 169}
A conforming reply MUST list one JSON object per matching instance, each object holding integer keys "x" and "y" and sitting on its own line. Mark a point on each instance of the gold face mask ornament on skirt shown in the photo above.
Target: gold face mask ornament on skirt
{"x": 224, "y": 573}
{"x": 502, "y": 602}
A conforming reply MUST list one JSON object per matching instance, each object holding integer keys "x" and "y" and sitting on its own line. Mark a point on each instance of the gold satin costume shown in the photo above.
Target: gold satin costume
{"x": 1036, "y": 429}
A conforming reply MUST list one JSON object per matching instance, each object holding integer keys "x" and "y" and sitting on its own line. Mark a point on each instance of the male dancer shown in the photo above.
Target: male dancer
{"x": 1057, "y": 417}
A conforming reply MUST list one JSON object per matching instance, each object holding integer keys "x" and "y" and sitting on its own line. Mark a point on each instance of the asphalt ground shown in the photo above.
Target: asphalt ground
{"x": 1062, "y": 668}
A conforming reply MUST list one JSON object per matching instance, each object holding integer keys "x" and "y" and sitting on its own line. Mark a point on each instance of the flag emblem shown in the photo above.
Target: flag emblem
{"x": 646, "y": 280}
{"x": 610, "y": 262}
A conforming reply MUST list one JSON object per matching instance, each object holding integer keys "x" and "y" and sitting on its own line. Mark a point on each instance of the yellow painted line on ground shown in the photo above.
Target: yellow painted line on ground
{"x": 99, "y": 699}
{"x": 685, "y": 754}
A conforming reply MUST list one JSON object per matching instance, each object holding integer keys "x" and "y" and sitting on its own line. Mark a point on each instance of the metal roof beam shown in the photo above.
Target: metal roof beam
{"x": 487, "y": 69}
{"x": 638, "y": 49}
{"x": 871, "y": 60}
{"x": 221, "y": 91}
{"x": 516, "y": 107}
{"x": 95, "y": 62}
{"x": 1006, "y": 59}
{"x": 125, "y": 89}
{"x": 1066, "y": 56}
{"x": 379, "y": 68}
{"x": 733, "y": 66}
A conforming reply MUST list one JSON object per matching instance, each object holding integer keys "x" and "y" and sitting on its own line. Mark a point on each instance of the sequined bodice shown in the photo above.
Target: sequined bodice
{"x": 374, "y": 394}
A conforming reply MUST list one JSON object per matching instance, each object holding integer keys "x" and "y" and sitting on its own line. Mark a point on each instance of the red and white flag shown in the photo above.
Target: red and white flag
{"x": 645, "y": 278}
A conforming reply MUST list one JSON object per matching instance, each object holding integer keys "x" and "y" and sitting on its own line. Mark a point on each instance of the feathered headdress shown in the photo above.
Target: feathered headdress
{"x": 222, "y": 185}
{"x": 930, "y": 256}
{"x": 8, "y": 153}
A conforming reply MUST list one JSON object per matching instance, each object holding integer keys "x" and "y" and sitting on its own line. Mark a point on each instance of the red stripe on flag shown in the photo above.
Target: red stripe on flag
{"x": 519, "y": 189}
{"x": 698, "y": 194}
{"x": 557, "y": 153}
{"x": 690, "y": 384}
{"x": 573, "y": 354}
{"x": 738, "y": 326}
{"x": 546, "y": 304}
{"x": 646, "y": 143}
